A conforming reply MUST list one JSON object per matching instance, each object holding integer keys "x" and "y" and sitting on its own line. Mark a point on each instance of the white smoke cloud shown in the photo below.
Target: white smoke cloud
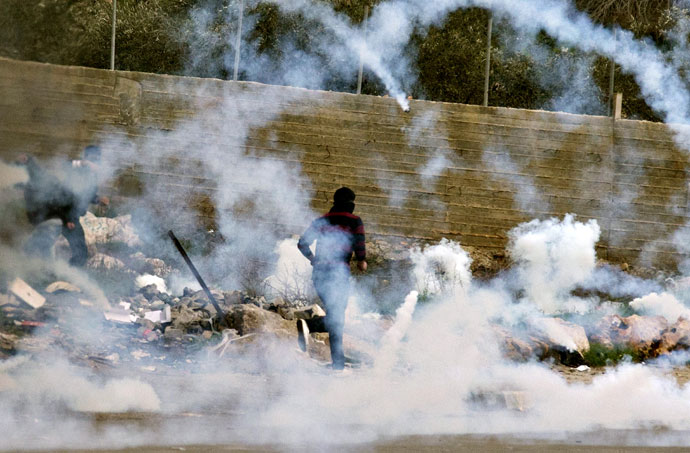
{"x": 553, "y": 256}
{"x": 430, "y": 368}
{"x": 442, "y": 267}
{"x": 444, "y": 349}
{"x": 663, "y": 304}
{"x": 292, "y": 274}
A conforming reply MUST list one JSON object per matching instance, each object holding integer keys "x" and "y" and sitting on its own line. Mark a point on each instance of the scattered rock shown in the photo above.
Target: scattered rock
{"x": 499, "y": 400}
{"x": 103, "y": 262}
{"x": 184, "y": 317}
{"x": 155, "y": 266}
{"x": 676, "y": 336}
{"x": 641, "y": 333}
{"x": 514, "y": 348}
{"x": 248, "y": 318}
{"x": 105, "y": 230}
{"x": 232, "y": 297}
{"x": 26, "y": 293}
{"x": 7, "y": 342}
{"x": 139, "y": 354}
{"x": 8, "y": 299}
{"x": 556, "y": 336}
{"x": 308, "y": 312}
{"x": 172, "y": 333}
{"x": 149, "y": 292}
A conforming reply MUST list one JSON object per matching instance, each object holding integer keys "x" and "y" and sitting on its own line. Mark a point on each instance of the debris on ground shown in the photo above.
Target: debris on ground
{"x": 26, "y": 293}
{"x": 149, "y": 324}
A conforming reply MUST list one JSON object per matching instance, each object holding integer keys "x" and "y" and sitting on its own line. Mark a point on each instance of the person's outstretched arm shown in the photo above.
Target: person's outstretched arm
{"x": 305, "y": 242}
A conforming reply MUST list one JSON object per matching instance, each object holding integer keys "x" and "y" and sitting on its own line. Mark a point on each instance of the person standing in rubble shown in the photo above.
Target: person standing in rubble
{"x": 48, "y": 197}
{"x": 338, "y": 234}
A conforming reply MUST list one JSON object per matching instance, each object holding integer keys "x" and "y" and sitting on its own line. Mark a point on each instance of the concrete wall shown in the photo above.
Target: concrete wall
{"x": 502, "y": 166}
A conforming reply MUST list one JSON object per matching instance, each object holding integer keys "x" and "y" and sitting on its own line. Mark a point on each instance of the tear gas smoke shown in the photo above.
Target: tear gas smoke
{"x": 446, "y": 350}
{"x": 391, "y": 340}
{"x": 429, "y": 365}
{"x": 554, "y": 256}
{"x": 148, "y": 279}
{"x": 291, "y": 277}
{"x": 442, "y": 267}
{"x": 526, "y": 195}
{"x": 392, "y": 23}
{"x": 663, "y": 304}
{"x": 426, "y": 133}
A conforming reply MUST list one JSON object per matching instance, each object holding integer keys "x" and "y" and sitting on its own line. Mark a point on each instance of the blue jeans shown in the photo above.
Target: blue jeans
{"x": 332, "y": 284}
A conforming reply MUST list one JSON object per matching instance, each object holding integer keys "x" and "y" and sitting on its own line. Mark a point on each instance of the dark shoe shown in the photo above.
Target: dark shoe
{"x": 302, "y": 334}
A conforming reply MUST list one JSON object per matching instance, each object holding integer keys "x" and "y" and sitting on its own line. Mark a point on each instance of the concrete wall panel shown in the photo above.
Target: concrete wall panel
{"x": 502, "y": 166}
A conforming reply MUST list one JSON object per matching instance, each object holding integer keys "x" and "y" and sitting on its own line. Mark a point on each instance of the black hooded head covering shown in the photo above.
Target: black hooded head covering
{"x": 343, "y": 200}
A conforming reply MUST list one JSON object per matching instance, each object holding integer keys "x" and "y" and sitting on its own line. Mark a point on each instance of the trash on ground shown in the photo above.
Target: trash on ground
{"x": 26, "y": 293}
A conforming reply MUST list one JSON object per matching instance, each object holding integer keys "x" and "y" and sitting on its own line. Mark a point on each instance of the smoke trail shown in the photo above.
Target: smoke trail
{"x": 379, "y": 51}
{"x": 526, "y": 195}
{"x": 392, "y": 338}
{"x": 392, "y": 23}
{"x": 448, "y": 352}
{"x": 426, "y": 137}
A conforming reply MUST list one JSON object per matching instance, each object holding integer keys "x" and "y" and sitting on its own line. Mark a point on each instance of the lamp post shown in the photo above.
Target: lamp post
{"x": 112, "y": 38}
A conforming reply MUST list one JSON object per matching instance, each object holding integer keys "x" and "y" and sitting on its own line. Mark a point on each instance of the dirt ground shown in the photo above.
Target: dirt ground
{"x": 421, "y": 444}
{"x": 572, "y": 375}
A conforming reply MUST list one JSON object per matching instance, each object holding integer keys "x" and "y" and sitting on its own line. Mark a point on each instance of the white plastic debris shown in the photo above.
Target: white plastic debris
{"x": 582, "y": 368}
{"x": 26, "y": 293}
{"x": 161, "y": 316}
{"x": 120, "y": 313}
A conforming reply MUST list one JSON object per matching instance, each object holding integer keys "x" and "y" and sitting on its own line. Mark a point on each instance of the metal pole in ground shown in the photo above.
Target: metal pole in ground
{"x": 178, "y": 245}
{"x": 487, "y": 68}
{"x": 238, "y": 41}
{"x": 612, "y": 73}
{"x": 112, "y": 38}
{"x": 361, "y": 61}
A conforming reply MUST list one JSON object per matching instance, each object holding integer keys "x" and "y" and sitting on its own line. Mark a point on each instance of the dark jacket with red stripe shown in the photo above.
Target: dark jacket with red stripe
{"x": 338, "y": 235}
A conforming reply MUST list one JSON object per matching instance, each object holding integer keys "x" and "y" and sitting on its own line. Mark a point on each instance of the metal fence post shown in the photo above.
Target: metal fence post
{"x": 487, "y": 68}
{"x": 361, "y": 61}
{"x": 612, "y": 74}
{"x": 112, "y": 38}
{"x": 238, "y": 41}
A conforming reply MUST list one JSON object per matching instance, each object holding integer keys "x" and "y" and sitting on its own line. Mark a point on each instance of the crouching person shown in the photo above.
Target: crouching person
{"x": 66, "y": 199}
{"x": 338, "y": 234}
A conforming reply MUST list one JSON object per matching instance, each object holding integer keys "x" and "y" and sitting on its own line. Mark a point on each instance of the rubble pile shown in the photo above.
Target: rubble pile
{"x": 152, "y": 327}
{"x": 148, "y": 325}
